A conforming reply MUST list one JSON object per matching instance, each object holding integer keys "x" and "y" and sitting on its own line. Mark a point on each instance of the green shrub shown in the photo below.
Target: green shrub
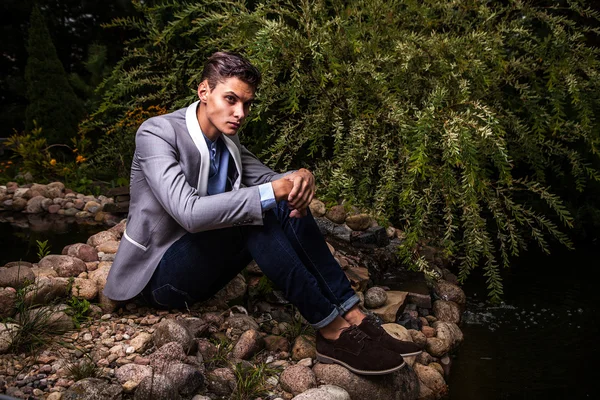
{"x": 449, "y": 119}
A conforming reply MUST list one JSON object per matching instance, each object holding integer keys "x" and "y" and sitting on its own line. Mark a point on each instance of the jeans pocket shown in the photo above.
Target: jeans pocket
{"x": 169, "y": 296}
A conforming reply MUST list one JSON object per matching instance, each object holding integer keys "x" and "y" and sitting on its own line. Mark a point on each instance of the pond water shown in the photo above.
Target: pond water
{"x": 19, "y": 234}
{"x": 542, "y": 341}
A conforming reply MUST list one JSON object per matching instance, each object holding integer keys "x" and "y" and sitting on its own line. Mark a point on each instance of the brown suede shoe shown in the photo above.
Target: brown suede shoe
{"x": 371, "y": 327}
{"x": 359, "y": 353}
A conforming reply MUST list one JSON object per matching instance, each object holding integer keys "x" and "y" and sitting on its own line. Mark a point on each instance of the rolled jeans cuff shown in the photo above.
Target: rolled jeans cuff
{"x": 348, "y": 304}
{"x": 327, "y": 320}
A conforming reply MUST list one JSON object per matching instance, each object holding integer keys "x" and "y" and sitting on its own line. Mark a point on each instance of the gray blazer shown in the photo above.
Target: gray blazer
{"x": 169, "y": 177}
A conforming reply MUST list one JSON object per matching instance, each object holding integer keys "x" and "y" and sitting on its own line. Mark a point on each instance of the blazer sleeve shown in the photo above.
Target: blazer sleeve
{"x": 255, "y": 172}
{"x": 158, "y": 160}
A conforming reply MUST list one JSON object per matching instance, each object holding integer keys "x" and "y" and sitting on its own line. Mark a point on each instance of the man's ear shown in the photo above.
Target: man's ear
{"x": 203, "y": 91}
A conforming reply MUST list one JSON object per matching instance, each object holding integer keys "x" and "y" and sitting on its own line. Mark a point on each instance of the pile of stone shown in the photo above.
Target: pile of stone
{"x": 53, "y": 198}
{"x": 143, "y": 353}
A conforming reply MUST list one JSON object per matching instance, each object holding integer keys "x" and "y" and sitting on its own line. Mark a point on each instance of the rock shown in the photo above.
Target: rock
{"x": 18, "y": 204}
{"x": 185, "y": 378}
{"x": 235, "y": 289}
{"x": 156, "y": 387}
{"x": 406, "y": 384}
{"x": 34, "y": 205}
{"x": 82, "y": 251}
{"x": 447, "y": 311}
{"x": 437, "y": 347}
{"x": 324, "y": 392}
{"x": 56, "y": 185}
{"x": 419, "y": 338}
{"x": 53, "y": 208}
{"x": 448, "y": 332}
{"x": 37, "y": 190}
{"x": 92, "y": 207}
{"x": 317, "y": 208}
{"x": 336, "y": 214}
{"x": 206, "y": 349}
{"x": 358, "y": 387}
{"x": 400, "y": 385}
{"x": 110, "y": 247}
{"x": 20, "y": 193}
{"x": 304, "y": 347}
{"x": 450, "y": 292}
{"x": 8, "y": 300}
{"x": 432, "y": 379}
{"x": 84, "y": 288}
{"x": 375, "y": 297}
{"x": 93, "y": 389}
{"x": 53, "y": 317}
{"x": 391, "y": 232}
{"x": 277, "y": 343}
{"x": 7, "y": 334}
{"x": 221, "y": 381}
{"x": 358, "y": 222}
{"x": 168, "y": 331}
{"x": 395, "y": 299}
{"x": 101, "y": 237}
{"x": 428, "y": 331}
{"x": 398, "y": 331}
{"x": 238, "y": 324}
{"x": 65, "y": 266}
{"x": 141, "y": 342}
{"x": 45, "y": 290}
{"x": 358, "y": 277}
{"x": 249, "y": 344}
{"x": 297, "y": 379}
{"x": 370, "y": 238}
{"x": 119, "y": 229}
{"x": 170, "y": 352}
{"x": 16, "y": 276}
{"x": 132, "y": 372}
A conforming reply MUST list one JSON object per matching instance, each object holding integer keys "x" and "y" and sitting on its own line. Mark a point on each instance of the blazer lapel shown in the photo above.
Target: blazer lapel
{"x": 191, "y": 120}
{"x": 193, "y": 127}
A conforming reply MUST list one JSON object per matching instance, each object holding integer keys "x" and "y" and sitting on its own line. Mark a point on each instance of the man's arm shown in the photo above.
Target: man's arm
{"x": 297, "y": 187}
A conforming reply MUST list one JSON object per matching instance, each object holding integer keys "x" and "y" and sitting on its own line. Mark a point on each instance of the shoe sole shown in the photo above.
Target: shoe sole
{"x": 416, "y": 353}
{"x": 330, "y": 360}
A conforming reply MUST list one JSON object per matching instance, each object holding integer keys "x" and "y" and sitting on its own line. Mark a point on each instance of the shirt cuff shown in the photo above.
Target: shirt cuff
{"x": 267, "y": 196}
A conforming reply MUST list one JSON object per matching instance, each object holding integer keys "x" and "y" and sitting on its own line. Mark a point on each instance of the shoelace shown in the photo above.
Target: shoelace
{"x": 356, "y": 333}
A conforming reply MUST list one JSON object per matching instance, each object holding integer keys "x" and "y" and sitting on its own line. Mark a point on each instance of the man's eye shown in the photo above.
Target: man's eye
{"x": 230, "y": 99}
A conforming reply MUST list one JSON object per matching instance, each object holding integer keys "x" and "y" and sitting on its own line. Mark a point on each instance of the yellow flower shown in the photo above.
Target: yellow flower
{"x": 53, "y": 162}
{"x": 80, "y": 159}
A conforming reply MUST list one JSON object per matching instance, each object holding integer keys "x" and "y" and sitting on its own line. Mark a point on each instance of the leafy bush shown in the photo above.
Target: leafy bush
{"x": 449, "y": 119}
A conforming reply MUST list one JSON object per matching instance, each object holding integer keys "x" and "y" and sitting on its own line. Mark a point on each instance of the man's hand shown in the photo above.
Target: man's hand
{"x": 298, "y": 189}
{"x": 302, "y": 192}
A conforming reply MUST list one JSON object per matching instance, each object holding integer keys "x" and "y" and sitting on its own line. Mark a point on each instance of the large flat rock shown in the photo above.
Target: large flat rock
{"x": 395, "y": 300}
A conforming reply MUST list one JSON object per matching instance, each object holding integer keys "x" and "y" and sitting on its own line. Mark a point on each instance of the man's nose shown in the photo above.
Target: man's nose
{"x": 239, "y": 111}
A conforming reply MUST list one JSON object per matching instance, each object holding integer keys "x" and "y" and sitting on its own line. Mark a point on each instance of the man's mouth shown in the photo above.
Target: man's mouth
{"x": 234, "y": 124}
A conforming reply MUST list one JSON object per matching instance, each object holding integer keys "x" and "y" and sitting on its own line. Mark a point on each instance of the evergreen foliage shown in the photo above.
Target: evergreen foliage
{"x": 52, "y": 102}
{"x": 450, "y": 119}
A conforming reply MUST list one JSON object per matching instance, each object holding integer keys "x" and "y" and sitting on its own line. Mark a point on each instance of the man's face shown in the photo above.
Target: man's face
{"x": 225, "y": 107}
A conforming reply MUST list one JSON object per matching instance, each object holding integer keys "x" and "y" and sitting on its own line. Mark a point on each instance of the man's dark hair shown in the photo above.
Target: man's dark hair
{"x": 222, "y": 65}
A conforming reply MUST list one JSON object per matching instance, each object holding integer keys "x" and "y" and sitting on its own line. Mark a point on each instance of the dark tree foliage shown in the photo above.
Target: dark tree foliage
{"x": 75, "y": 27}
{"x": 52, "y": 102}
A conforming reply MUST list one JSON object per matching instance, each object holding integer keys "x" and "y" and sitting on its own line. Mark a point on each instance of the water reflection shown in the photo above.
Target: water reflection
{"x": 20, "y": 232}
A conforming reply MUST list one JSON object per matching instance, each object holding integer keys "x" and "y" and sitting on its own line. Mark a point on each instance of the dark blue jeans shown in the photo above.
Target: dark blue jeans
{"x": 291, "y": 252}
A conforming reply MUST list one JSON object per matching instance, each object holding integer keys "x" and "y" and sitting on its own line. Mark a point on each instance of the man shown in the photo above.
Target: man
{"x": 202, "y": 207}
